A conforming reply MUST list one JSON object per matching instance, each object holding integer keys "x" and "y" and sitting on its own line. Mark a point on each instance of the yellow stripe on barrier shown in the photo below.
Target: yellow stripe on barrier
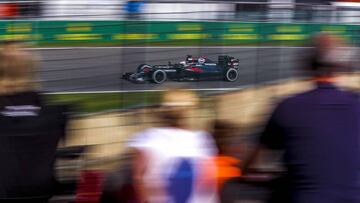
{"x": 76, "y": 37}
{"x": 189, "y": 27}
{"x": 19, "y": 27}
{"x": 188, "y": 36}
{"x": 291, "y": 29}
{"x": 240, "y": 36}
{"x": 134, "y": 36}
{"x": 79, "y": 27}
{"x": 288, "y": 37}
{"x": 334, "y": 29}
{"x": 241, "y": 29}
{"x": 21, "y": 37}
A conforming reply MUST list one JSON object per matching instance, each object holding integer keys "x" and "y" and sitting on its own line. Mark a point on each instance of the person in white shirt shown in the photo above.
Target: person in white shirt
{"x": 173, "y": 164}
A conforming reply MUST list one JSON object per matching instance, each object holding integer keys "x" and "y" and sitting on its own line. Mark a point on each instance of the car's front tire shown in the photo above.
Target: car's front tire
{"x": 159, "y": 76}
{"x": 231, "y": 75}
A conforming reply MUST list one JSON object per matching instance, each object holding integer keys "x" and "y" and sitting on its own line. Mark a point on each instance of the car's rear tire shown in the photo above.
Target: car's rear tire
{"x": 141, "y": 67}
{"x": 159, "y": 76}
{"x": 231, "y": 75}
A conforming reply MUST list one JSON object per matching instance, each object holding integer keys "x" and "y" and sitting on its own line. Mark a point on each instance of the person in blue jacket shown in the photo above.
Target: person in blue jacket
{"x": 319, "y": 131}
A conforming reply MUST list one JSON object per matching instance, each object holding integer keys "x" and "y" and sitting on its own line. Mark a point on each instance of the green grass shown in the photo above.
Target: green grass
{"x": 97, "y": 102}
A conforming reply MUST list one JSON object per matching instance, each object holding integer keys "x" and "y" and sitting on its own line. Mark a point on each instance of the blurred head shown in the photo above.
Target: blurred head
{"x": 11, "y": 44}
{"x": 325, "y": 41}
{"x": 16, "y": 69}
{"x": 331, "y": 55}
{"x": 176, "y": 105}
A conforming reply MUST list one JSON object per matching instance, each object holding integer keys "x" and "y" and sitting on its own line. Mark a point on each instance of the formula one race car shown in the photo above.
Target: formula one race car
{"x": 191, "y": 69}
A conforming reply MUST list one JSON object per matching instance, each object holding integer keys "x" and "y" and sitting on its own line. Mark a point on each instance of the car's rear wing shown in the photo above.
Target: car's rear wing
{"x": 227, "y": 61}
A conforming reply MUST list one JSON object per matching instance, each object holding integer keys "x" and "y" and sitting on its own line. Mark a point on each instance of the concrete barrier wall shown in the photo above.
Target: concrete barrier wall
{"x": 184, "y": 32}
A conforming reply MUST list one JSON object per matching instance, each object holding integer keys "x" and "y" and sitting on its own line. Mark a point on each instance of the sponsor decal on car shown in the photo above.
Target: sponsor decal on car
{"x": 195, "y": 69}
{"x": 170, "y": 70}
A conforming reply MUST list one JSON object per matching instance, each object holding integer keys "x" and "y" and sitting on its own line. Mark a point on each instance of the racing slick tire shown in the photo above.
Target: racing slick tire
{"x": 141, "y": 67}
{"x": 159, "y": 76}
{"x": 231, "y": 75}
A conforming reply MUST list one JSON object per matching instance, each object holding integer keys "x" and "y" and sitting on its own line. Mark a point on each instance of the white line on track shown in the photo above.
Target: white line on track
{"x": 171, "y": 47}
{"x": 194, "y": 89}
{"x": 147, "y": 90}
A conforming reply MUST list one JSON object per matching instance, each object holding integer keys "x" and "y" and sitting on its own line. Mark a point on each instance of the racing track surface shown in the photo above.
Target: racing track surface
{"x": 100, "y": 69}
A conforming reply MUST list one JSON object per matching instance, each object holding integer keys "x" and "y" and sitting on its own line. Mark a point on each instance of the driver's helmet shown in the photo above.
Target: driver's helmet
{"x": 201, "y": 60}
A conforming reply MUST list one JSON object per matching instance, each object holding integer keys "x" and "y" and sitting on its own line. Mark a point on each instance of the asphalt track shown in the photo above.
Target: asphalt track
{"x": 99, "y": 69}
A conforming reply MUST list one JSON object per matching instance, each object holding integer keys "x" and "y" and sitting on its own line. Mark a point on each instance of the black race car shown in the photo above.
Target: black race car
{"x": 200, "y": 68}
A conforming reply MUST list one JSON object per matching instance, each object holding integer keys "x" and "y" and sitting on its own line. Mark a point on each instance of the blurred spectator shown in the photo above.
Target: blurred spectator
{"x": 347, "y": 11}
{"x": 250, "y": 10}
{"x": 29, "y": 131}
{"x": 313, "y": 10}
{"x": 9, "y": 10}
{"x": 172, "y": 163}
{"x": 133, "y": 9}
{"x": 89, "y": 187}
{"x": 227, "y": 164}
{"x": 118, "y": 184}
{"x": 30, "y": 9}
{"x": 319, "y": 133}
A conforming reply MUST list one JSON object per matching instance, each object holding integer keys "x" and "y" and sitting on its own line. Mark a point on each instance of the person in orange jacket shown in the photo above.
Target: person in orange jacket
{"x": 227, "y": 166}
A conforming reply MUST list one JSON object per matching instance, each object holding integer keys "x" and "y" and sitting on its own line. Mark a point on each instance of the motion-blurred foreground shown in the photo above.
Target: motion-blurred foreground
{"x": 83, "y": 48}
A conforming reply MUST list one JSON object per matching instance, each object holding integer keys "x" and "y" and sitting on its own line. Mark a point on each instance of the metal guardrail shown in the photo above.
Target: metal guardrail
{"x": 152, "y": 10}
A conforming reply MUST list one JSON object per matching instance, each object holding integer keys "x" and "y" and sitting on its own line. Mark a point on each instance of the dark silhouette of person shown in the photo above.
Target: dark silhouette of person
{"x": 319, "y": 132}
